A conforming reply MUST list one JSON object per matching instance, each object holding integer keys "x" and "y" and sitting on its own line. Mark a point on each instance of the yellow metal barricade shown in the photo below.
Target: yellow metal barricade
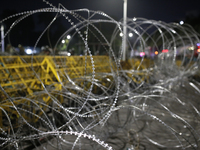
{"x": 21, "y": 76}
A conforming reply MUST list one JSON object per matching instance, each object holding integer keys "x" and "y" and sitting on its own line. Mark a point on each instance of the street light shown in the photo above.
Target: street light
{"x": 68, "y": 37}
{"x": 181, "y": 22}
{"x": 124, "y": 31}
{"x": 130, "y": 34}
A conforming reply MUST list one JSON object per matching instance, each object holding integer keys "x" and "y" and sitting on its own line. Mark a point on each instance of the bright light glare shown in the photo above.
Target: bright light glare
{"x": 68, "y": 37}
{"x": 63, "y": 41}
{"x": 130, "y": 34}
{"x": 29, "y": 51}
{"x": 191, "y": 48}
{"x": 181, "y": 22}
{"x": 134, "y": 19}
{"x": 156, "y": 52}
{"x": 198, "y": 50}
{"x": 121, "y": 34}
{"x": 142, "y": 54}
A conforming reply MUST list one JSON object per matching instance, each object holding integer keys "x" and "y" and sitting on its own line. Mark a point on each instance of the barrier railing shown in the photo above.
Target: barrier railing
{"x": 21, "y": 76}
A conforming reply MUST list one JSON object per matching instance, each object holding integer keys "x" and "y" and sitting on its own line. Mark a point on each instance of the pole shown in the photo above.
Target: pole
{"x": 2, "y": 39}
{"x": 124, "y": 31}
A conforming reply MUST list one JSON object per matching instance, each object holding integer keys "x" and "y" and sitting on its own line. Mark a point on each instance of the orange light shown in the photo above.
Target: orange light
{"x": 156, "y": 52}
{"x": 198, "y": 50}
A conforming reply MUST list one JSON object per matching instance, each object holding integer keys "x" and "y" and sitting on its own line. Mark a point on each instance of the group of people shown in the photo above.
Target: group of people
{"x": 20, "y": 50}
{"x": 45, "y": 50}
{"x": 13, "y": 51}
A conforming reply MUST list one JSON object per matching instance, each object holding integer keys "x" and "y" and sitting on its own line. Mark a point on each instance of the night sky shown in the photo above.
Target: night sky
{"x": 164, "y": 10}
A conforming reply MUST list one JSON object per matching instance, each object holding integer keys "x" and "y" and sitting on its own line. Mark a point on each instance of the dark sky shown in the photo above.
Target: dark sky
{"x": 164, "y": 10}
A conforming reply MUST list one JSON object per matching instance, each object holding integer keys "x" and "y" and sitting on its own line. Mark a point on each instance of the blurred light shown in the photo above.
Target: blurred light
{"x": 198, "y": 50}
{"x": 130, "y": 34}
{"x": 191, "y": 48}
{"x": 142, "y": 54}
{"x": 181, "y": 22}
{"x": 63, "y": 41}
{"x": 198, "y": 45}
{"x": 28, "y": 51}
{"x": 68, "y": 54}
{"x": 156, "y": 52}
{"x": 68, "y": 37}
{"x": 121, "y": 34}
{"x": 165, "y": 51}
{"x": 65, "y": 53}
{"x": 134, "y": 19}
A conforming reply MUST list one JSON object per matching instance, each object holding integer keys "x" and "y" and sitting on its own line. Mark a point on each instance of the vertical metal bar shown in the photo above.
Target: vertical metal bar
{"x": 124, "y": 31}
{"x": 2, "y": 39}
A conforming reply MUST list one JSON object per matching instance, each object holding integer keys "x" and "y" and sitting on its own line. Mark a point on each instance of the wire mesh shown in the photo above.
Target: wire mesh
{"x": 150, "y": 101}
